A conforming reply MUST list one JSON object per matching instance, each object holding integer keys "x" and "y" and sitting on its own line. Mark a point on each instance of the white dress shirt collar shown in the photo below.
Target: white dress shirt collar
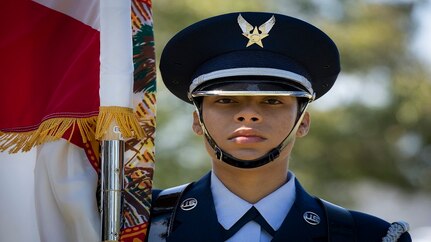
{"x": 230, "y": 208}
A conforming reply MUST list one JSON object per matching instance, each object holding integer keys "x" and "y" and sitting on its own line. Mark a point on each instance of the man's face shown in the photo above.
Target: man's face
{"x": 248, "y": 127}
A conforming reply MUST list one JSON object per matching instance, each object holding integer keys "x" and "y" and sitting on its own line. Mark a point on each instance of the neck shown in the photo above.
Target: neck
{"x": 252, "y": 184}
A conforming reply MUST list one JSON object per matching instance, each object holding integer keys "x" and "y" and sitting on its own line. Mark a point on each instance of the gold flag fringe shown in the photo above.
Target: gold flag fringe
{"x": 123, "y": 117}
{"x": 49, "y": 130}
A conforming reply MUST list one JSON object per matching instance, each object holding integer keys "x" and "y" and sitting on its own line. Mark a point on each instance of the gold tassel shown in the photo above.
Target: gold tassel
{"x": 48, "y": 130}
{"x": 123, "y": 117}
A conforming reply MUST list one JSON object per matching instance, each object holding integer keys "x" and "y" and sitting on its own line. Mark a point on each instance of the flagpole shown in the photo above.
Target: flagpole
{"x": 112, "y": 189}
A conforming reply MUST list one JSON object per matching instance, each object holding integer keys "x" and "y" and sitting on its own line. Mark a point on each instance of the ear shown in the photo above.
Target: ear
{"x": 304, "y": 126}
{"x": 196, "y": 126}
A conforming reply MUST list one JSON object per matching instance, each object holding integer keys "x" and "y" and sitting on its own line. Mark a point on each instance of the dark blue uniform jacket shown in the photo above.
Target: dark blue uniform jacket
{"x": 200, "y": 224}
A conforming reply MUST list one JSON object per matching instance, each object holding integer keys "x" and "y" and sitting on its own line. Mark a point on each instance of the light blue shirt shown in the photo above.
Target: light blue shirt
{"x": 274, "y": 208}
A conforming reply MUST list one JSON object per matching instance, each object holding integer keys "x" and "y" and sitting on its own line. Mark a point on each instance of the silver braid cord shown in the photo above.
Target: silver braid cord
{"x": 395, "y": 231}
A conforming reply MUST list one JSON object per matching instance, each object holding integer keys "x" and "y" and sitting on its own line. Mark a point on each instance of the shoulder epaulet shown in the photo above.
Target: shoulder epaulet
{"x": 341, "y": 226}
{"x": 163, "y": 212}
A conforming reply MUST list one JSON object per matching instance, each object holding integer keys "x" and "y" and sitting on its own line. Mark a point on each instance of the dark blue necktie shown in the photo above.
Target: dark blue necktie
{"x": 251, "y": 214}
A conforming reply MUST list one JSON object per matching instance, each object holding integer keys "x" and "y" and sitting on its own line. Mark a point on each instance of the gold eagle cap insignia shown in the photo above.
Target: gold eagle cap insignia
{"x": 255, "y": 34}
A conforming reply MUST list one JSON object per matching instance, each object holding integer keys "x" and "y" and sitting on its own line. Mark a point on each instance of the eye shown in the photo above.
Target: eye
{"x": 225, "y": 100}
{"x": 272, "y": 101}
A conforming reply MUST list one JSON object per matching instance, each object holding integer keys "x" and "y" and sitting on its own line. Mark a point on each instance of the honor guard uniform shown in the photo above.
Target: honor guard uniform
{"x": 251, "y": 77}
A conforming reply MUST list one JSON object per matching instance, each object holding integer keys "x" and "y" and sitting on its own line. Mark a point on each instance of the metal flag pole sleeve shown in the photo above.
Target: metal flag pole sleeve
{"x": 112, "y": 188}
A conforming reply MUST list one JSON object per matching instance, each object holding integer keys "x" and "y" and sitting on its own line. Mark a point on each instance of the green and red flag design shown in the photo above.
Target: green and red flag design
{"x": 139, "y": 166}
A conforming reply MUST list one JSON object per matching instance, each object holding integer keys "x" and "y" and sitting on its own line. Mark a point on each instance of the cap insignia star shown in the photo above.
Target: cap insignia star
{"x": 255, "y": 34}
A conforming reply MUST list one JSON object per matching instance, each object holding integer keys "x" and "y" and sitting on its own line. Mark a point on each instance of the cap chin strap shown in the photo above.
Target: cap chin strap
{"x": 263, "y": 160}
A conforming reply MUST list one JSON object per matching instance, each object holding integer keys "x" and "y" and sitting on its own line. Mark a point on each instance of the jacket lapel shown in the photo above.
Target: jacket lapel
{"x": 295, "y": 227}
{"x": 199, "y": 223}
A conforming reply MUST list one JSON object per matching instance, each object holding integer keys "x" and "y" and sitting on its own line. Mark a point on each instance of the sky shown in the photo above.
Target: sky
{"x": 422, "y": 41}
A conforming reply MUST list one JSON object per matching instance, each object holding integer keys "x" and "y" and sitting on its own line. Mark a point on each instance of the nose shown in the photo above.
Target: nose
{"x": 248, "y": 114}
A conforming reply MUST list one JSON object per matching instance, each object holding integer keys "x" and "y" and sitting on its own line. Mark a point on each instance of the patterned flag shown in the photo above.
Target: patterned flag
{"x": 139, "y": 166}
{"x": 50, "y": 90}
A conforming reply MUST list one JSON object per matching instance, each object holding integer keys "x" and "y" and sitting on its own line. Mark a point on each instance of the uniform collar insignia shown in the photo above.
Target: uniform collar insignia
{"x": 255, "y": 34}
{"x": 189, "y": 204}
{"x": 311, "y": 218}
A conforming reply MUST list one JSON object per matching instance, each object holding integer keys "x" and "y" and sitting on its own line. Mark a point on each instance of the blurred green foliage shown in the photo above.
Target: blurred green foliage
{"x": 389, "y": 142}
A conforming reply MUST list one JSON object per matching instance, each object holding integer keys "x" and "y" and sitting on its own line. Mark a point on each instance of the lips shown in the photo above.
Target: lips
{"x": 246, "y": 136}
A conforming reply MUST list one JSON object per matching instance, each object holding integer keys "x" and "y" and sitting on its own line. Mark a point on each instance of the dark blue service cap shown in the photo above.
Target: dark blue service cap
{"x": 250, "y": 46}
